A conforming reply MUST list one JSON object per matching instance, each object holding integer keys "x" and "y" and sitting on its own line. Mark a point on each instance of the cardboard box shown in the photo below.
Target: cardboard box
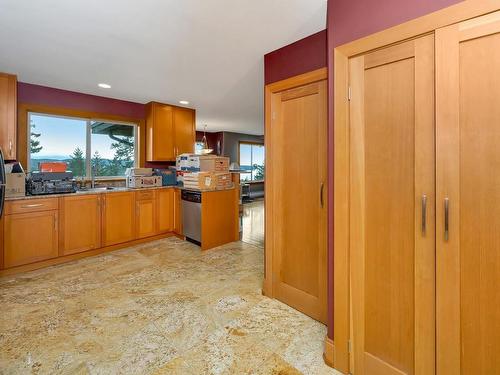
{"x": 15, "y": 185}
{"x": 223, "y": 180}
{"x": 210, "y": 163}
{"x": 200, "y": 181}
{"x": 138, "y": 182}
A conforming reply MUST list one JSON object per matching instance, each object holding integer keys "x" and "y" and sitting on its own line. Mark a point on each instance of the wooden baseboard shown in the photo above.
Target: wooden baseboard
{"x": 328, "y": 352}
{"x": 86, "y": 254}
{"x": 267, "y": 289}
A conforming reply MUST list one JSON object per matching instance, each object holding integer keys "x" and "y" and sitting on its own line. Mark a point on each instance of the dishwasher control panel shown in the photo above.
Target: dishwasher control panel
{"x": 191, "y": 196}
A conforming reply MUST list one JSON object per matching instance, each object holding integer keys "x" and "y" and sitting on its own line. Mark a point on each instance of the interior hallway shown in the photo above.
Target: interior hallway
{"x": 253, "y": 222}
{"x": 159, "y": 308}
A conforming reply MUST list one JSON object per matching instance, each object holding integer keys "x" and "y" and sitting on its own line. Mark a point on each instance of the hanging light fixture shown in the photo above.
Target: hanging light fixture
{"x": 205, "y": 150}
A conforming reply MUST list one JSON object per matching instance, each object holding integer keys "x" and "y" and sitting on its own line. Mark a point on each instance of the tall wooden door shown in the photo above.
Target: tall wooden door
{"x": 298, "y": 184}
{"x": 468, "y": 196}
{"x": 392, "y": 209}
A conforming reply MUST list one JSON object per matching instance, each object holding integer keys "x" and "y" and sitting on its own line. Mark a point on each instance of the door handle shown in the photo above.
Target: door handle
{"x": 321, "y": 200}
{"x": 446, "y": 219}
{"x": 424, "y": 214}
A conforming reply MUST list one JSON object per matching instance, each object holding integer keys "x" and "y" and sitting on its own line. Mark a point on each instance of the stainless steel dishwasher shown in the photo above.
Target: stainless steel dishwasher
{"x": 191, "y": 215}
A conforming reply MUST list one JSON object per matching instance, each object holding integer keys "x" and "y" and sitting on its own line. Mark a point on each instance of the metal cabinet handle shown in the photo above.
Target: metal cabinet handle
{"x": 446, "y": 218}
{"x": 321, "y": 195}
{"x": 424, "y": 214}
{"x": 32, "y": 205}
{"x": 10, "y": 147}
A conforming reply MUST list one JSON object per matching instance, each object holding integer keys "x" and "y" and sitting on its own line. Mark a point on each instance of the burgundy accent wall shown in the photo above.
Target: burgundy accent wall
{"x": 42, "y": 95}
{"x": 349, "y": 20}
{"x": 300, "y": 57}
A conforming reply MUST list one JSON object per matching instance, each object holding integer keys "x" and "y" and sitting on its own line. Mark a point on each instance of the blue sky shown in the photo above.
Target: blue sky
{"x": 60, "y": 136}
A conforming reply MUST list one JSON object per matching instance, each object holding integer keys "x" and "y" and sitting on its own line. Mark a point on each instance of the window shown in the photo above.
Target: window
{"x": 252, "y": 161}
{"x": 104, "y": 148}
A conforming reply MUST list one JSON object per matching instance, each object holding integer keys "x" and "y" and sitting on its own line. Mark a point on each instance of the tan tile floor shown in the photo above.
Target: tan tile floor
{"x": 160, "y": 308}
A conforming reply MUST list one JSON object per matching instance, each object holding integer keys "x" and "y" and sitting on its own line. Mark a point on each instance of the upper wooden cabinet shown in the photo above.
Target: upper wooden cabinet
{"x": 184, "y": 130}
{"x": 80, "y": 224}
{"x": 8, "y": 115}
{"x": 170, "y": 131}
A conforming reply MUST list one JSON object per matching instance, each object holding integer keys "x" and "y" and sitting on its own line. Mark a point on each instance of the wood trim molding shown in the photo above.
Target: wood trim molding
{"x": 328, "y": 353}
{"x": 341, "y": 265}
{"x": 289, "y": 83}
{"x": 426, "y": 24}
{"x": 296, "y": 81}
{"x": 22, "y": 126}
{"x": 341, "y": 216}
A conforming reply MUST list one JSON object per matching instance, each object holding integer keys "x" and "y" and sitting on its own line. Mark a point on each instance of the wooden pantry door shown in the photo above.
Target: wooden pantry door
{"x": 392, "y": 238}
{"x": 468, "y": 192}
{"x": 297, "y": 162}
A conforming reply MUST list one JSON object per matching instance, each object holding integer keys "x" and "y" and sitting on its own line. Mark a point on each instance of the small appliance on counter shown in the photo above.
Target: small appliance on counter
{"x": 43, "y": 183}
{"x": 15, "y": 180}
{"x": 138, "y": 178}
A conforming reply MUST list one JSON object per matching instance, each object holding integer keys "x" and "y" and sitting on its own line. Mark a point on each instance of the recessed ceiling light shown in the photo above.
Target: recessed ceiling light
{"x": 104, "y": 86}
{"x": 184, "y": 102}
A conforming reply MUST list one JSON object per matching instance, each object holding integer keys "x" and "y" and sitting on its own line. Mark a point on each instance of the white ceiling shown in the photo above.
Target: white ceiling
{"x": 209, "y": 52}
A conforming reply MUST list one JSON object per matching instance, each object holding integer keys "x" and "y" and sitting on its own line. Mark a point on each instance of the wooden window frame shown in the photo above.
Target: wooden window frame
{"x": 25, "y": 109}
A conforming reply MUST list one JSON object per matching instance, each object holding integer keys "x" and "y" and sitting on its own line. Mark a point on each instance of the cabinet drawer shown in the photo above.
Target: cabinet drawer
{"x": 31, "y": 205}
{"x": 145, "y": 195}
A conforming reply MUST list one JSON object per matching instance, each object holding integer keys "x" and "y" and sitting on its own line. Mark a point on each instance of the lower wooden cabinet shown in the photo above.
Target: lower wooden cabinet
{"x": 30, "y": 237}
{"x": 177, "y": 212}
{"x": 80, "y": 224}
{"x": 36, "y": 230}
{"x": 165, "y": 213}
{"x": 118, "y": 218}
{"x": 145, "y": 212}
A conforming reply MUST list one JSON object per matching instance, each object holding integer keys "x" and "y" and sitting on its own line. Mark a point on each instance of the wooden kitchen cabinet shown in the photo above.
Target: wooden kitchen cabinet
{"x": 165, "y": 213}
{"x": 159, "y": 132}
{"x": 118, "y": 218}
{"x": 184, "y": 130}
{"x": 8, "y": 115}
{"x": 145, "y": 214}
{"x": 80, "y": 224}
{"x": 30, "y": 237}
{"x": 177, "y": 212}
{"x": 170, "y": 131}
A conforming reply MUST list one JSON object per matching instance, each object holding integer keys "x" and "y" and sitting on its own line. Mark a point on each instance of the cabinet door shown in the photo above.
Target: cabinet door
{"x": 392, "y": 188}
{"x": 30, "y": 237}
{"x": 118, "y": 218}
{"x": 8, "y": 115}
{"x": 184, "y": 127}
{"x": 146, "y": 218}
{"x": 468, "y": 191}
{"x": 160, "y": 132}
{"x": 177, "y": 212}
{"x": 80, "y": 227}
{"x": 165, "y": 214}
